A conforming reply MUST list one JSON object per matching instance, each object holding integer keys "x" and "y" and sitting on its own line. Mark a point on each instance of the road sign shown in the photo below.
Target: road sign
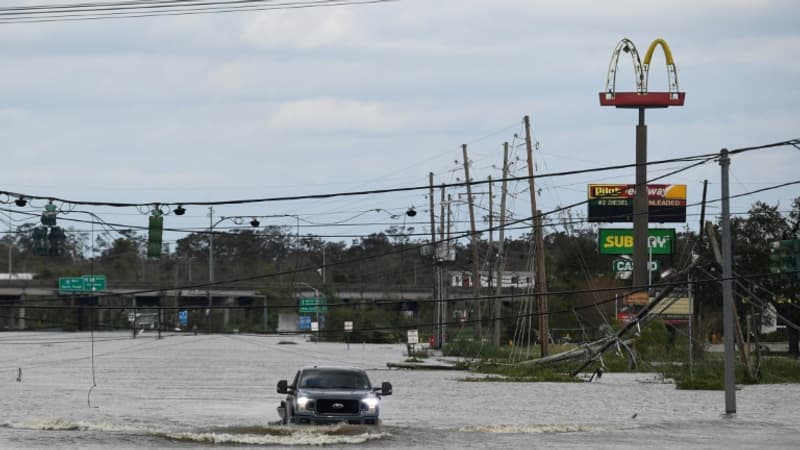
{"x": 183, "y": 318}
{"x": 313, "y": 305}
{"x": 314, "y": 326}
{"x": 304, "y": 322}
{"x": 626, "y": 265}
{"x": 614, "y": 202}
{"x": 94, "y": 283}
{"x": 70, "y": 284}
{"x": 413, "y": 337}
{"x": 348, "y": 326}
{"x": 85, "y": 283}
{"x": 619, "y": 241}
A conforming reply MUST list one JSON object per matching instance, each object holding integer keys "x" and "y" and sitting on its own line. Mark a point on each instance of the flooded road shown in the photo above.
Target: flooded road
{"x": 215, "y": 391}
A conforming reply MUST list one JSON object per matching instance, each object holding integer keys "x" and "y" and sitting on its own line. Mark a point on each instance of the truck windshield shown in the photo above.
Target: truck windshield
{"x": 333, "y": 379}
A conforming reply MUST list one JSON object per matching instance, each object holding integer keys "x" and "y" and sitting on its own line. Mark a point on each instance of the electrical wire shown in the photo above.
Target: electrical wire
{"x": 131, "y": 10}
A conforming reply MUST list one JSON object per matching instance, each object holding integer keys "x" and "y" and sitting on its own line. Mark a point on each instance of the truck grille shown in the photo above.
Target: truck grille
{"x": 335, "y": 406}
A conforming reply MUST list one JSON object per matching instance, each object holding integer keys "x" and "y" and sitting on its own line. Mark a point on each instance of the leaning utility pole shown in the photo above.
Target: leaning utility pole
{"x": 538, "y": 262}
{"x": 498, "y": 303}
{"x": 476, "y": 276}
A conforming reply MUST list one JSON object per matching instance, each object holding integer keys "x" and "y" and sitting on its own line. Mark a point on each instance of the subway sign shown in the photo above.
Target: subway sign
{"x": 619, "y": 241}
{"x": 614, "y": 202}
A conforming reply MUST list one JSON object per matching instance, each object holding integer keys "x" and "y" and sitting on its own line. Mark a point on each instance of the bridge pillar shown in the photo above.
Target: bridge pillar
{"x": 21, "y": 316}
{"x": 226, "y": 313}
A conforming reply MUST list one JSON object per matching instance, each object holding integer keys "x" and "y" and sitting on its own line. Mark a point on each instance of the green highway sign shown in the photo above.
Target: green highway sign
{"x": 619, "y": 241}
{"x": 313, "y": 305}
{"x": 86, "y": 283}
{"x": 70, "y": 284}
{"x": 94, "y": 283}
{"x": 626, "y": 265}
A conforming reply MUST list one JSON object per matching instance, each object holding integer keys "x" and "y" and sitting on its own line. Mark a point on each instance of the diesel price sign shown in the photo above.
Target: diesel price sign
{"x": 614, "y": 202}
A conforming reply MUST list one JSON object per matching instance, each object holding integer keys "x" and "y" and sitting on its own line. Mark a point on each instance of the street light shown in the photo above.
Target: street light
{"x": 238, "y": 220}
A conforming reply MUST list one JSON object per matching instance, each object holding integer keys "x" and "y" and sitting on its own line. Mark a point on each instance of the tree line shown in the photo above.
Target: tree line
{"x": 274, "y": 259}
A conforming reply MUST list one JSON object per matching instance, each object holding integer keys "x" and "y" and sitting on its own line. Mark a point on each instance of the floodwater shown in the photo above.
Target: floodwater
{"x": 215, "y": 391}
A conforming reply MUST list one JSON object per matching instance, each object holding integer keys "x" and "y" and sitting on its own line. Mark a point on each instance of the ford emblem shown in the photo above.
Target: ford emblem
{"x": 338, "y": 406}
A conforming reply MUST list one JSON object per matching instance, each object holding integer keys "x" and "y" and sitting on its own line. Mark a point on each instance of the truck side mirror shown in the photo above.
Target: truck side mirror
{"x": 282, "y": 387}
{"x": 386, "y": 388}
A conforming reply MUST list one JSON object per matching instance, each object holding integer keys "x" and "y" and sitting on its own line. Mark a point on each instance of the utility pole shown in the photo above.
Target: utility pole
{"x": 210, "y": 262}
{"x": 441, "y": 216}
{"x": 727, "y": 288}
{"x": 540, "y": 278}
{"x": 476, "y": 276}
{"x": 437, "y": 319}
{"x": 498, "y": 303}
{"x": 442, "y": 260}
{"x": 491, "y": 219}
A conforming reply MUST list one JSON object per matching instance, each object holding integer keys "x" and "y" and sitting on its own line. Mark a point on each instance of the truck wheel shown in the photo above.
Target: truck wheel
{"x": 287, "y": 418}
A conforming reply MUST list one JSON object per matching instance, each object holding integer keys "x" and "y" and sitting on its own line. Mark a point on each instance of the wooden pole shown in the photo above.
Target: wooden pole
{"x": 476, "y": 277}
{"x": 436, "y": 318}
{"x": 498, "y": 304}
{"x": 540, "y": 278}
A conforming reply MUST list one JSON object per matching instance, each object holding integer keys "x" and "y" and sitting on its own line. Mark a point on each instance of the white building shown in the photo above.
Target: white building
{"x": 16, "y": 276}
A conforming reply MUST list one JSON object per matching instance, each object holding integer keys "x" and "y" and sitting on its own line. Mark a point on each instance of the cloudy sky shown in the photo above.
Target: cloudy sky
{"x": 265, "y": 104}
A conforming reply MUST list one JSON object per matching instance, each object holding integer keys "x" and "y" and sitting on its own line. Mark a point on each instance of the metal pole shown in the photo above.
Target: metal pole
{"x": 727, "y": 288}
{"x": 210, "y": 265}
{"x": 691, "y": 333}
{"x": 10, "y": 240}
{"x": 210, "y": 244}
{"x": 640, "y": 207}
{"x": 316, "y": 313}
{"x": 323, "y": 265}
{"x": 649, "y": 261}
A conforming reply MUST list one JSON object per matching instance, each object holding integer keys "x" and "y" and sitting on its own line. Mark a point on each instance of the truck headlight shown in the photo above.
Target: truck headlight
{"x": 369, "y": 404}
{"x": 305, "y": 403}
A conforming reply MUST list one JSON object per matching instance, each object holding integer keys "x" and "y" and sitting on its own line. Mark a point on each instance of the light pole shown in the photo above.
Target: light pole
{"x": 211, "y": 224}
{"x": 238, "y": 220}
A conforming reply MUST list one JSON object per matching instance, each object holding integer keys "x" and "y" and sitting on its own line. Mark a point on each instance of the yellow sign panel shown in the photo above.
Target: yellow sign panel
{"x": 668, "y": 307}
{"x": 654, "y": 191}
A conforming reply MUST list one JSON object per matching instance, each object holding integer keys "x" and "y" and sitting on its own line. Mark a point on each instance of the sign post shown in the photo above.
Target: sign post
{"x": 641, "y": 99}
{"x": 348, "y": 328}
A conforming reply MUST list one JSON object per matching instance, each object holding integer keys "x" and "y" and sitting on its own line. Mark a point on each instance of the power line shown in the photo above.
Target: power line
{"x": 134, "y": 9}
{"x": 157, "y": 204}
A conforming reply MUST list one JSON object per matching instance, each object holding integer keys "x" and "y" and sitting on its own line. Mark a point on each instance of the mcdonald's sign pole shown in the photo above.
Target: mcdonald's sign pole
{"x": 641, "y": 98}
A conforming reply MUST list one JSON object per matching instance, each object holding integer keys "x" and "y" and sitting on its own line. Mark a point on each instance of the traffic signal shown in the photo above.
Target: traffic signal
{"x": 155, "y": 231}
{"x": 49, "y": 215}
{"x": 785, "y": 256}
{"x": 57, "y": 239}
{"x": 39, "y": 241}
